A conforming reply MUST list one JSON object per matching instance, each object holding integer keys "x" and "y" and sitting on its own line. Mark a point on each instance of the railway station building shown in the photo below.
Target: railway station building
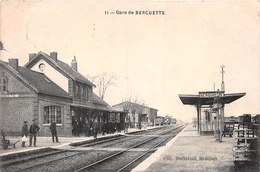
{"x": 137, "y": 115}
{"x": 46, "y": 89}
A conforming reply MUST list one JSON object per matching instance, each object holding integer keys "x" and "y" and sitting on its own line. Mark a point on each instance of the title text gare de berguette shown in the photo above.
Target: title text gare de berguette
{"x": 141, "y": 12}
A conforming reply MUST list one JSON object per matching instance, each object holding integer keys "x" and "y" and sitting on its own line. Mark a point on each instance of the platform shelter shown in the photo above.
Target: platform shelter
{"x": 210, "y": 108}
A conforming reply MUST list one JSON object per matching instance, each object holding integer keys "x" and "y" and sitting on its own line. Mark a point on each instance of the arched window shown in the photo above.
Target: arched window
{"x": 3, "y": 84}
{"x": 52, "y": 113}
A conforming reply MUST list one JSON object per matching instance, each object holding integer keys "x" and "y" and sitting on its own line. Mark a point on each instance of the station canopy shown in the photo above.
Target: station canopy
{"x": 206, "y": 98}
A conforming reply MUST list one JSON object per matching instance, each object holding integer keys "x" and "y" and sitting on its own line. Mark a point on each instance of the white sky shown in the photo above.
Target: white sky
{"x": 154, "y": 57}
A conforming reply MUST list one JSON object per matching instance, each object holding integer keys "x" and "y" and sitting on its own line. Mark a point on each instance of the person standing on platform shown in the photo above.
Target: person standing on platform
{"x": 118, "y": 127}
{"x": 33, "y": 132}
{"x": 126, "y": 127}
{"x": 104, "y": 126}
{"x": 113, "y": 127}
{"x": 87, "y": 128}
{"x": 54, "y": 131}
{"x": 108, "y": 127}
{"x": 76, "y": 128}
{"x": 95, "y": 128}
{"x": 24, "y": 132}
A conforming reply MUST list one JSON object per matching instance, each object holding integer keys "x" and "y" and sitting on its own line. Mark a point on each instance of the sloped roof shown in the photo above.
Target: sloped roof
{"x": 39, "y": 82}
{"x": 74, "y": 73}
{"x": 98, "y": 100}
{"x": 65, "y": 68}
{"x": 188, "y": 99}
{"x": 128, "y": 102}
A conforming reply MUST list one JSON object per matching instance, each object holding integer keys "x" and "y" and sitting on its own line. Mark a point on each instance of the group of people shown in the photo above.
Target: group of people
{"x": 32, "y": 132}
{"x": 110, "y": 127}
{"x": 90, "y": 127}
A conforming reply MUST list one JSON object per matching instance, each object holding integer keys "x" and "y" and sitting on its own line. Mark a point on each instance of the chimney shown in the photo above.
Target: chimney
{"x": 74, "y": 64}
{"x": 31, "y": 56}
{"x": 53, "y": 56}
{"x": 13, "y": 63}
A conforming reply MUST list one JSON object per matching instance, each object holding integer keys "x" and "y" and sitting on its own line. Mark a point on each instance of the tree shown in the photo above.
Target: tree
{"x": 103, "y": 81}
{"x": 2, "y": 47}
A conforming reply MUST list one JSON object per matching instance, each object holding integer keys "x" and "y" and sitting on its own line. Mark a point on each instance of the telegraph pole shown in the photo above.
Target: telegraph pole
{"x": 222, "y": 83}
{"x": 221, "y": 108}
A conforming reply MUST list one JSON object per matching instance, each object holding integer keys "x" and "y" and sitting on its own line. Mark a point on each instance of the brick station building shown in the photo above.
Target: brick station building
{"x": 47, "y": 89}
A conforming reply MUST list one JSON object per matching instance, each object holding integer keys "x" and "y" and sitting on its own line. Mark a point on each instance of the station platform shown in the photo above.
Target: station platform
{"x": 189, "y": 151}
{"x": 64, "y": 142}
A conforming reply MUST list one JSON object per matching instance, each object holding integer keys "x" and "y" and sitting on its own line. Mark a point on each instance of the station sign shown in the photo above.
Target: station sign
{"x": 211, "y": 94}
{"x": 9, "y": 95}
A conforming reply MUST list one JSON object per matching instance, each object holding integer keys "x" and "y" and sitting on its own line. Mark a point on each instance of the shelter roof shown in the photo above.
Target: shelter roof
{"x": 189, "y": 99}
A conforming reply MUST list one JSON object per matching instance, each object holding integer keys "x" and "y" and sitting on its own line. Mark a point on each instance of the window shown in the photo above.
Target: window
{"x": 84, "y": 93}
{"x": 52, "y": 113}
{"x": 81, "y": 92}
{"x": 88, "y": 93}
{"x": 76, "y": 91}
{"x": 42, "y": 67}
{"x": 3, "y": 84}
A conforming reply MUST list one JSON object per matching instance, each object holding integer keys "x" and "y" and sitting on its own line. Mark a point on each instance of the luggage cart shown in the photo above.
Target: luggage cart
{"x": 245, "y": 148}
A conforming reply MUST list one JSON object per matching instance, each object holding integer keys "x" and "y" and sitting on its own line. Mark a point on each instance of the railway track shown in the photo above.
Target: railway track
{"x": 99, "y": 165}
{"x": 35, "y": 161}
{"x": 91, "y": 155}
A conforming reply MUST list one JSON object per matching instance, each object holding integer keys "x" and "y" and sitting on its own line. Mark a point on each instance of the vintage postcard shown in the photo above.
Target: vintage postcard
{"x": 130, "y": 85}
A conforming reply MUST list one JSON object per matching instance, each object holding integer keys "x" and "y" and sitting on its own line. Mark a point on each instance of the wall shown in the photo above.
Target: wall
{"x": 11, "y": 118}
{"x": 18, "y": 96}
{"x": 53, "y": 74}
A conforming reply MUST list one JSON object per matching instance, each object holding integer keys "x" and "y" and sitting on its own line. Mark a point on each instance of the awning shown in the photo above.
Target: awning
{"x": 188, "y": 99}
{"x": 107, "y": 109}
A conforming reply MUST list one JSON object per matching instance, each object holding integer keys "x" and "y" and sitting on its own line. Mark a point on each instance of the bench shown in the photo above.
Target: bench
{"x": 5, "y": 143}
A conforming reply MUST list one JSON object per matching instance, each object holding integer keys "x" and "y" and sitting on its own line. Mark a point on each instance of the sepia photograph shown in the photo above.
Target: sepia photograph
{"x": 130, "y": 85}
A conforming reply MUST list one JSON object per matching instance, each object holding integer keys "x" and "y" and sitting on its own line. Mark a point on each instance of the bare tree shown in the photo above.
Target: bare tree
{"x": 92, "y": 78}
{"x": 126, "y": 104}
{"x": 103, "y": 81}
{"x": 2, "y": 47}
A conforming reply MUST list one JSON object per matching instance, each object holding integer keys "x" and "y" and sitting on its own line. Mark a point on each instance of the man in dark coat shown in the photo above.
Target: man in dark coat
{"x": 104, "y": 127}
{"x": 33, "y": 132}
{"x": 76, "y": 128}
{"x": 87, "y": 128}
{"x": 113, "y": 127}
{"x": 126, "y": 127}
{"x": 24, "y": 132}
{"x": 95, "y": 128}
{"x": 54, "y": 131}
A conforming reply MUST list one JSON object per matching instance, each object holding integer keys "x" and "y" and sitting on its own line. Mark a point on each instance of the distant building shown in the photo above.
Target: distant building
{"x": 138, "y": 113}
{"x": 47, "y": 89}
